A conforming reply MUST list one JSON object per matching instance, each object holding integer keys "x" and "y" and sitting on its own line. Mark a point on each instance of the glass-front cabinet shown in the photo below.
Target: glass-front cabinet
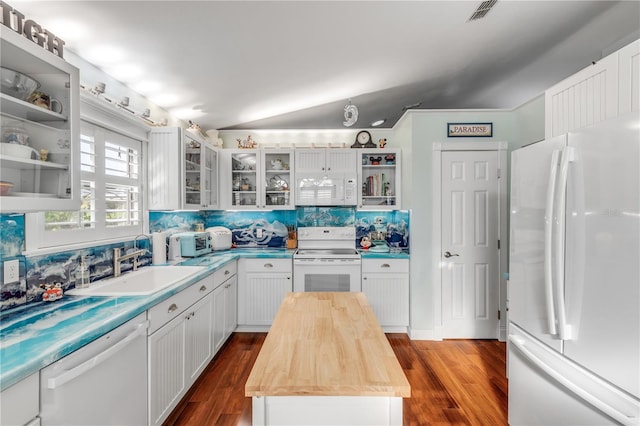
{"x": 183, "y": 171}
{"x": 261, "y": 179}
{"x": 200, "y": 174}
{"x": 39, "y": 118}
{"x": 380, "y": 177}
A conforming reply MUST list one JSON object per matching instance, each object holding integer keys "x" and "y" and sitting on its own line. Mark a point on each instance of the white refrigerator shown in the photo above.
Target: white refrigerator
{"x": 574, "y": 278}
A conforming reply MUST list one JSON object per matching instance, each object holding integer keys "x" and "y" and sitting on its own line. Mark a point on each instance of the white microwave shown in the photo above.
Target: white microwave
{"x": 326, "y": 190}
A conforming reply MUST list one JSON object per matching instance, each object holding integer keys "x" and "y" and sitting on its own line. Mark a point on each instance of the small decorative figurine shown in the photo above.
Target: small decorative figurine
{"x": 365, "y": 242}
{"x": 382, "y": 142}
{"x": 390, "y": 158}
{"x": 247, "y": 143}
{"x": 52, "y": 292}
{"x": 375, "y": 160}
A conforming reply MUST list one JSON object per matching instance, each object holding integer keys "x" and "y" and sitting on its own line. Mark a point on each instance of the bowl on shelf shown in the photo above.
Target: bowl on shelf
{"x": 19, "y": 151}
{"x": 16, "y": 84}
{"x": 5, "y": 188}
{"x": 15, "y": 134}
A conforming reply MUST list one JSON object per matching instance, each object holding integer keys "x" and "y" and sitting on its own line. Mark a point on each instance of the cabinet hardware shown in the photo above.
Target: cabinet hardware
{"x": 172, "y": 308}
{"x": 226, "y": 272}
{"x": 385, "y": 265}
{"x": 268, "y": 265}
{"x": 203, "y": 288}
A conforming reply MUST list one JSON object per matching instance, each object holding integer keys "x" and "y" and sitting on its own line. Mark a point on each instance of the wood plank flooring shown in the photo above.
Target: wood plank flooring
{"x": 453, "y": 382}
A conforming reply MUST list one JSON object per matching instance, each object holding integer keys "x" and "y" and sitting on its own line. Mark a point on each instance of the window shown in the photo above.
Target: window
{"x": 110, "y": 174}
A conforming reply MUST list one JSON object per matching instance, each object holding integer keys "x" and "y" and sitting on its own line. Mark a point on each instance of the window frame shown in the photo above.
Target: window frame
{"x": 131, "y": 133}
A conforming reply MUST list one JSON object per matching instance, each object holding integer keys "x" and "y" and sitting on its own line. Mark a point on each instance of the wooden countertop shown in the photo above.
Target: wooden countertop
{"x": 326, "y": 344}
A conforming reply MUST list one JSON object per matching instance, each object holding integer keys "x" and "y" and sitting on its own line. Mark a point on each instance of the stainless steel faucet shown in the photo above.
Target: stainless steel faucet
{"x": 117, "y": 259}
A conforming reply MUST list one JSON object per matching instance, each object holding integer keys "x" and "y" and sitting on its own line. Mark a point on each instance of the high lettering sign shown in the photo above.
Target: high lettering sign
{"x": 16, "y": 21}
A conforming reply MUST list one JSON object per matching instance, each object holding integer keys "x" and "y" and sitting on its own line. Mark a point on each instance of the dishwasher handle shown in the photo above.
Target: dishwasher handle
{"x": 69, "y": 375}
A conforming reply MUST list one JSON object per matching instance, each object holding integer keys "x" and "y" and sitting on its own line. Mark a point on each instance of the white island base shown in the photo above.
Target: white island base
{"x": 326, "y": 361}
{"x": 327, "y": 410}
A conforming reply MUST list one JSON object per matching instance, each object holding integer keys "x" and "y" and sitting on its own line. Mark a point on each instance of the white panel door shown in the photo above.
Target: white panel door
{"x": 470, "y": 280}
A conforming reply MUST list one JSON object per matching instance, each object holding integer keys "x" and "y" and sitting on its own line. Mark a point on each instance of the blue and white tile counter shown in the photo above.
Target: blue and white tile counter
{"x": 366, "y": 254}
{"x": 33, "y": 338}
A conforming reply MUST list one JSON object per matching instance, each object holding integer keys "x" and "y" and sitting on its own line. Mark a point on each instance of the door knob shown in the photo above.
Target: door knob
{"x": 448, "y": 254}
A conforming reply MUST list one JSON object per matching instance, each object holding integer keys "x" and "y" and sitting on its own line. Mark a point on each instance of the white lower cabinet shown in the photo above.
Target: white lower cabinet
{"x": 179, "y": 346}
{"x": 224, "y": 308}
{"x": 19, "y": 403}
{"x": 385, "y": 282}
{"x": 263, "y": 285}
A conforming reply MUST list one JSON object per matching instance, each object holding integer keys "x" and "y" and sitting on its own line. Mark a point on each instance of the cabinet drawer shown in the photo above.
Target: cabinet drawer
{"x": 385, "y": 266}
{"x": 268, "y": 265}
{"x": 225, "y": 272}
{"x": 167, "y": 310}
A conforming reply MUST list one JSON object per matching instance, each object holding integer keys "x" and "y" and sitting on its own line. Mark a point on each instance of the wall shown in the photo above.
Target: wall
{"x": 516, "y": 127}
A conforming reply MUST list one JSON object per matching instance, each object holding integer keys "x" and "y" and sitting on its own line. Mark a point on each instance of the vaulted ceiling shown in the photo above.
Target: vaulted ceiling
{"x": 296, "y": 64}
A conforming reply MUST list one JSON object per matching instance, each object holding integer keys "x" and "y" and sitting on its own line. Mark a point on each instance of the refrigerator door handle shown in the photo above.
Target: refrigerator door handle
{"x": 520, "y": 344}
{"x": 548, "y": 244}
{"x": 564, "y": 329}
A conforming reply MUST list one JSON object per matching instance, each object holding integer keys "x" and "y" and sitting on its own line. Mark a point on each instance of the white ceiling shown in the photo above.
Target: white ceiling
{"x": 296, "y": 64}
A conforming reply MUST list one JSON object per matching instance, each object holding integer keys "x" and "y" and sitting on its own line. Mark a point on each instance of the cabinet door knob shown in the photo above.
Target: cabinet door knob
{"x": 203, "y": 288}
{"x": 268, "y": 265}
{"x": 385, "y": 265}
{"x": 364, "y": 278}
{"x": 172, "y": 308}
{"x": 226, "y": 272}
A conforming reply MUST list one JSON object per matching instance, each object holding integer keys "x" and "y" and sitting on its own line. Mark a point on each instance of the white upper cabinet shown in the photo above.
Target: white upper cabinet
{"x": 629, "y": 77}
{"x": 258, "y": 179}
{"x": 379, "y": 174}
{"x": 599, "y": 92}
{"x": 40, "y": 142}
{"x": 325, "y": 160}
{"x": 183, "y": 171}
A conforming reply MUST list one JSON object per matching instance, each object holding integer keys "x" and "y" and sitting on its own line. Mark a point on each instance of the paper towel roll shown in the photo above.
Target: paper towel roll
{"x": 159, "y": 242}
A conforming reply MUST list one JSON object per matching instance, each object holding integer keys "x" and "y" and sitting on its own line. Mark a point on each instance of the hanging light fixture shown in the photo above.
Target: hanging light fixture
{"x": 350, "y": 114}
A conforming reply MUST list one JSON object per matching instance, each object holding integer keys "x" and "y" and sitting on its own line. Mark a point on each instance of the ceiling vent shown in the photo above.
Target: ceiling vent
{"x": 482, "y": 10}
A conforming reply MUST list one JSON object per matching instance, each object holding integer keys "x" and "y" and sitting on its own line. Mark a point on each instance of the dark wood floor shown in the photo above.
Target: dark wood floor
{"x": 452, "y": 382}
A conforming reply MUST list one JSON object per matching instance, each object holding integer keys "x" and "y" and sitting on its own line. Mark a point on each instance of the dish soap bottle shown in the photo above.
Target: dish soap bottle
{"x": 82, "y": 274}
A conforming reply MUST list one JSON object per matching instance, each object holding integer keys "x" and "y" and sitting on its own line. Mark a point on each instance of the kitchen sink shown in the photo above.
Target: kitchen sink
{"x": 145, "y": 281}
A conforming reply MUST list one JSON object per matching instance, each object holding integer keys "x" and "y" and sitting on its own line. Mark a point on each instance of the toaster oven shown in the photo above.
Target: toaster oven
{"x": 194, "y": 244}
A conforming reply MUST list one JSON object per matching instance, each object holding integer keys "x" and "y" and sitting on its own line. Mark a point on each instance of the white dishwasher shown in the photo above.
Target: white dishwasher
{"x": 102, "y": 383}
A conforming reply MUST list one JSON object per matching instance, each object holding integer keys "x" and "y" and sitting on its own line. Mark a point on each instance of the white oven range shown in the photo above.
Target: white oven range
{"x": 326, "y": 260}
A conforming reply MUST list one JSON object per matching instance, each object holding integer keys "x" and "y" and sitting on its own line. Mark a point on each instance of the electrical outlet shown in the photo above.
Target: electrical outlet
{"x": 11, "y": 271}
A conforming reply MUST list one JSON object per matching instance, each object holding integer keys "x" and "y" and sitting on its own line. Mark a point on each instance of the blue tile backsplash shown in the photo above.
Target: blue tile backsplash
{"x": 61, "y": 267}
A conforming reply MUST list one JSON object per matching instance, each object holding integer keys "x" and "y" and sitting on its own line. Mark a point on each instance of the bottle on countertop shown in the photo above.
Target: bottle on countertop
{"x": 82, "y": 274}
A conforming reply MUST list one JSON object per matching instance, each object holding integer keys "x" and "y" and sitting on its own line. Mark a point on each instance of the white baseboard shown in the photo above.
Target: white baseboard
{"x": 425, "y": 335}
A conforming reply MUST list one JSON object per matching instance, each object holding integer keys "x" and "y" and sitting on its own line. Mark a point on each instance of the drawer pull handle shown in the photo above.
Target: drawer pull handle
{"x": 172, "y": 308}
{"x": 268, "y": 265}
{"x": 203, "y": 288}
{"x": 226, "y": 272}
{"x": 385, "y": 265}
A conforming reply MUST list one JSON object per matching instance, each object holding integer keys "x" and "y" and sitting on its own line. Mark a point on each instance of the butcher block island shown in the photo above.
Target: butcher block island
{"x": 326, "y": 361}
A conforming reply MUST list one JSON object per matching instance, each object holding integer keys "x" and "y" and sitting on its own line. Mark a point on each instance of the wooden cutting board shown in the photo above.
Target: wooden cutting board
{"x": 326, "y": 344}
